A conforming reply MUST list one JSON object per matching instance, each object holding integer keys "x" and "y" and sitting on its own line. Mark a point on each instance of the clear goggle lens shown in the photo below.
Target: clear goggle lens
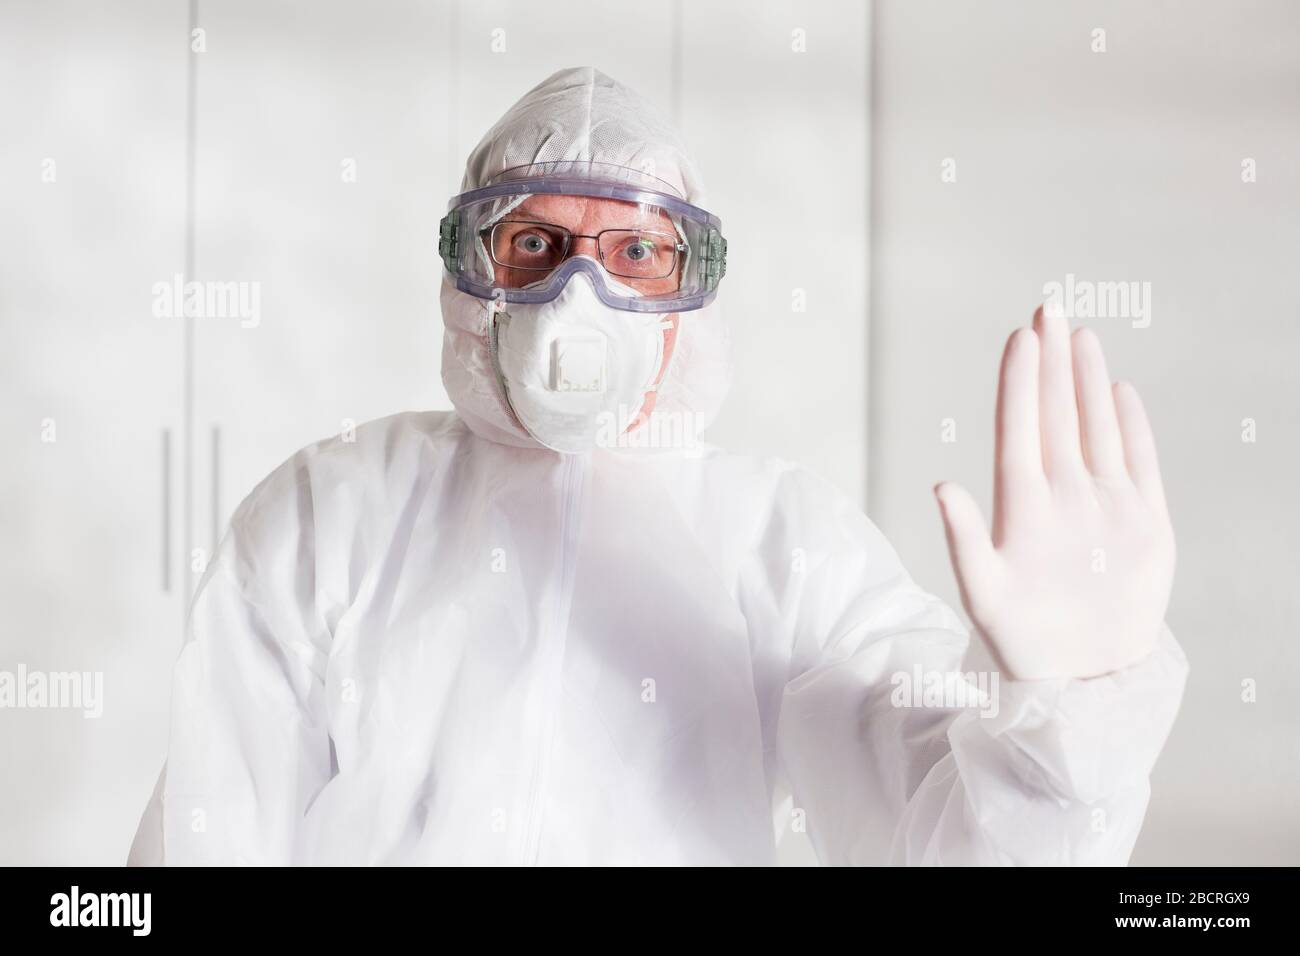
{"x": 501, "y": 241}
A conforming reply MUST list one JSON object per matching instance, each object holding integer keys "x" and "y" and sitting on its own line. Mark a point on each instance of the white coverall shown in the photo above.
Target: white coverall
{"x": 440, "y": 643}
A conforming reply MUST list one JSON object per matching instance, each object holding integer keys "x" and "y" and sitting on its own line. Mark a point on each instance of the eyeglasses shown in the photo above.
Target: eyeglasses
{"x": 542, "y": 246}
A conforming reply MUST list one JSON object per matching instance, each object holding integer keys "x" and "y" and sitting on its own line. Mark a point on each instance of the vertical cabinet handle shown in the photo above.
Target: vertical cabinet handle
{"x": 216, "y": 491}
{"x": 167, "y": 511}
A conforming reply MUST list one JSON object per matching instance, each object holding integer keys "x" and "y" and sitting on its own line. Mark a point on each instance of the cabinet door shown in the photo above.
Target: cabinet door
{"x": 320, "y": 180}
{"x": 92, "y": 180}
{"x": 775, "y": 103}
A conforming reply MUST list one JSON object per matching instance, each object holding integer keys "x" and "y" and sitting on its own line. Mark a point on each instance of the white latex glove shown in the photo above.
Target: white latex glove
{"x": 1076, "y": 577}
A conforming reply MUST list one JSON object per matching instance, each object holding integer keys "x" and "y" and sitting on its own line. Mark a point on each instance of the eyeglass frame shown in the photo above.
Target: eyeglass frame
{"x": 678, "y": 246}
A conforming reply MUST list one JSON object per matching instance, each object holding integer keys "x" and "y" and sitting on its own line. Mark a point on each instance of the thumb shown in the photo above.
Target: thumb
{"x": 969, "y": 545}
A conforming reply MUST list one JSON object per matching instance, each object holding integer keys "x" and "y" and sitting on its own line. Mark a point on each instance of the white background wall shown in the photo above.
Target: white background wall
{"x": 1123, "y": 165}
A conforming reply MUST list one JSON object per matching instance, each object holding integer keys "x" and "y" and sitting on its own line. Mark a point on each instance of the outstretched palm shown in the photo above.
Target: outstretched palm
{"x": 1075, "y": 578}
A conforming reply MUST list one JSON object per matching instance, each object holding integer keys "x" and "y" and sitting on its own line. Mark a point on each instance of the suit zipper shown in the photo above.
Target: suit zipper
{"x": 553, "y": 655}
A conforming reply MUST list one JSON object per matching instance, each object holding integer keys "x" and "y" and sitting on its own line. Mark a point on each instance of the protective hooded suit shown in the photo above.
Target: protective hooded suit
{"x": 445, "y": 643}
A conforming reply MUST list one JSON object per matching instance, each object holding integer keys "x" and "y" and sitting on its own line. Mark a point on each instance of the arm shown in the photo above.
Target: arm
{"x": 249, "y": 746}
{"x": 1054, "y": 772}
{"x": 1069, "y": 593}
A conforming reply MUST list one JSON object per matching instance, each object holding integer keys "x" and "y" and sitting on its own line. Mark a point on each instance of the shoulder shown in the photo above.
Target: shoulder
{"x": 373, "y": 465}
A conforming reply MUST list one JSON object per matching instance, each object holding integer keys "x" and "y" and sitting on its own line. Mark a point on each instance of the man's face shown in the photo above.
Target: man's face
{"x": 637, "y": 249}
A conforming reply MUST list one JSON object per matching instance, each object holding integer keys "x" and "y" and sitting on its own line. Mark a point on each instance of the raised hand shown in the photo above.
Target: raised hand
{"x": 1075, "y": 578}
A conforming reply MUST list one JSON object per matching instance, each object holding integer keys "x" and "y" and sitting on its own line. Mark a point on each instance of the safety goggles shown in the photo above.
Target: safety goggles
{"x": 516, "y": 239}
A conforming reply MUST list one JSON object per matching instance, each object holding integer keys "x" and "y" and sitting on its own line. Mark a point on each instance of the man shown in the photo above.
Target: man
{"x": 536, "y": 631}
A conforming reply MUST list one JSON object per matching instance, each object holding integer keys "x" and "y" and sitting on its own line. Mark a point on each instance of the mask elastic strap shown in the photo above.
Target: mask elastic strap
{"x": 495, "y": 308}
{"x": 665, "y": 327}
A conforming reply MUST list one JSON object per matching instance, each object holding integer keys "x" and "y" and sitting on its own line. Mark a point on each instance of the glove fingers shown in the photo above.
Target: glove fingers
{"x": 973, "y": 556}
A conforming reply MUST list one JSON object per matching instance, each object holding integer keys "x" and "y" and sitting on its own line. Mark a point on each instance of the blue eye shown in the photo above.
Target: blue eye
{"x": 531, "y": 243}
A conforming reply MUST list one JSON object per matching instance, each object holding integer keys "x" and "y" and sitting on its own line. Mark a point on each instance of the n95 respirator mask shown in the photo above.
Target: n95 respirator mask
{"x": 574, "y": 370}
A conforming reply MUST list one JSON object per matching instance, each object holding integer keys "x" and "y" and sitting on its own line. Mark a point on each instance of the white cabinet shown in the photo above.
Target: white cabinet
{"x": 91, "y": 218}
{"x": 320, "y": 179}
